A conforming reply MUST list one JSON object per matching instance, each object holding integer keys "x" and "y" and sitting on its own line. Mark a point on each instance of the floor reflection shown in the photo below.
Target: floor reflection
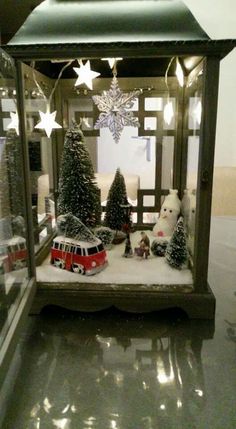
{"x": 111, "y": 371}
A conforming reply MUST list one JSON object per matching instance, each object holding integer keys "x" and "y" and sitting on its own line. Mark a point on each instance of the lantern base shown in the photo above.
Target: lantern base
{"x": 131, "y": 298}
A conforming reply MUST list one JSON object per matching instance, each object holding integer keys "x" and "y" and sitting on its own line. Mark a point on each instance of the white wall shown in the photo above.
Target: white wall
{"x": 120, "y": 156}
{"x": 218, "y": 19}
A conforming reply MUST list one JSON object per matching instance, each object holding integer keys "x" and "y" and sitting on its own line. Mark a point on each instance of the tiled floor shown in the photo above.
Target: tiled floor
{"x": 115, "y": 371}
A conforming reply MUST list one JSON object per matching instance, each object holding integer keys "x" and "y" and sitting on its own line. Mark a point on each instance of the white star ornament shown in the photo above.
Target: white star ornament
{"x": 48, "y": 122}
{"x": 85, "y": 74}
{"x": 14, "y": 124}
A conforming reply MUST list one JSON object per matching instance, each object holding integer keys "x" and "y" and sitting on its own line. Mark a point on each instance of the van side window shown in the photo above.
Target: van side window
{"x": 78, "y": 251}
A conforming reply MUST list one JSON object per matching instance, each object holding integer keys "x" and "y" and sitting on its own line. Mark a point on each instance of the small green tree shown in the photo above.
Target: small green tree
{"x": 115, "y": 216}
{"x": 176, "y": 252}
{"x": 70, "y": 226}
{"x": 78, "y": 193}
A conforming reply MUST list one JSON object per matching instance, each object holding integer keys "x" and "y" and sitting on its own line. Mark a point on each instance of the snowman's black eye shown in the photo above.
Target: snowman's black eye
{"x": 193, "y": 211}
{"x": 164, "y": 210}
{"x": 170, "y": 211}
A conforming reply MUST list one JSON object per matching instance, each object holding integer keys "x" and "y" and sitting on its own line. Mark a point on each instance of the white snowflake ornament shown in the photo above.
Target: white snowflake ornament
{"x": 113, "y": 105}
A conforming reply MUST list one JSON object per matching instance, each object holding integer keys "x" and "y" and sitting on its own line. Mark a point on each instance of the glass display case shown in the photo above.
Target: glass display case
{"x": 150, "y": 116}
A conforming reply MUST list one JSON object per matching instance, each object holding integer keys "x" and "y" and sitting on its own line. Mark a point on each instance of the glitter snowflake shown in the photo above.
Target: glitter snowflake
{"x": 113, "y": 105}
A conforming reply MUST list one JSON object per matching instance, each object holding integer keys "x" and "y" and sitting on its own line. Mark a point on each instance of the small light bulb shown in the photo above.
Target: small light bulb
{"x": 168, "y": 112}
{"x": 179, "y": 73}
{"x": 198, "y": 112}
{"x": 111, "y": 61}
{"x": 199, "y": 392}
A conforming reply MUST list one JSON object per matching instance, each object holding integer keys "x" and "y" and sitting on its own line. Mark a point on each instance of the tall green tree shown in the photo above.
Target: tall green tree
{"x": 115, "y": 216}
{"x": 177, "y": 252}
{"x": 78, "y": 192}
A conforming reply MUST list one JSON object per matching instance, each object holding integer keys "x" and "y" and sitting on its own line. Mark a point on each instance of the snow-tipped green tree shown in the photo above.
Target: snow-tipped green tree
{"x": 11, "y": 172}
{"x": 78, "y": 193}
{"x": 177, "y": 252}
{"x": 15, "y": 172}
{"x": 70, "y": 226}
{"x": 115, "y": 216}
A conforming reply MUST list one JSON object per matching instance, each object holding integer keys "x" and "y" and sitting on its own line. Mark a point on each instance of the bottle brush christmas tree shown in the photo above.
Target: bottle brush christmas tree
{"x": 177, "y": 252}
{"x": 115, "y": 216}
{"x": 78, "y": 193}
{"x": 70, "y": 226}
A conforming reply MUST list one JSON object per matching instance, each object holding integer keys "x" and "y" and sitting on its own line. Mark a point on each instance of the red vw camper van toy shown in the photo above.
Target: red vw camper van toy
{"x": 78, "y": 256}
{"x": 13, "y": 254}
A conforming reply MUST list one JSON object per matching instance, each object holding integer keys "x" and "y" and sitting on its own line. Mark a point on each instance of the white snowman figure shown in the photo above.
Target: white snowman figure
{"x": 169, "y": 213}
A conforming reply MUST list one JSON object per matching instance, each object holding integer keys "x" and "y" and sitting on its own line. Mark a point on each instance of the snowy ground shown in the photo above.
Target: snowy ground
{"x": 153, "y": 271}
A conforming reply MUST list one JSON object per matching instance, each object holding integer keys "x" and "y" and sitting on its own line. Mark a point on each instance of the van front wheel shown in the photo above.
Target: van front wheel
{"x": 59, "y": 263}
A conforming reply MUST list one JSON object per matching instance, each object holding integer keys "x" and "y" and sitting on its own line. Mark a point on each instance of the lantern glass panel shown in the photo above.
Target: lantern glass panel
{"x": 40, "y": 150}
{"x": 14, "y": 274}
{"x": 193, "y": 102}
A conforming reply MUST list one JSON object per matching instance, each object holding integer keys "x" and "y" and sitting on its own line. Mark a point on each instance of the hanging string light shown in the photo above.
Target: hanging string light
{"x": 168, "y": 112}
{"x": 85, "y": 74}
{"x": 47, "y": 121}
{"x": 14, "y": 124}
{"x": 198, "y": 112}
{"x": 179, "y": 73}
{"x": 85, "y": 121}
{"x": 112, "y": 61}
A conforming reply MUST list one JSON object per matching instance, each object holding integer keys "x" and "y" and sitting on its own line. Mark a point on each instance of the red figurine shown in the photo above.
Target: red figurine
{"x": 144, "y": 246}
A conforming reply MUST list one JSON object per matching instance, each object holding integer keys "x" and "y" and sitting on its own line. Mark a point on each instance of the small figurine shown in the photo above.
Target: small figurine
{"x": 169, "y": 213}
{"x": 128, "y": 253}
{"x": 144, "y": 246}
{"x": 126, "y": 228}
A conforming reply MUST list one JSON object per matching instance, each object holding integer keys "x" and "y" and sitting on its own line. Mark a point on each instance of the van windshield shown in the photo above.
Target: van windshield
{"x": 92, "y": 250}
{"x": 100, "y": 247}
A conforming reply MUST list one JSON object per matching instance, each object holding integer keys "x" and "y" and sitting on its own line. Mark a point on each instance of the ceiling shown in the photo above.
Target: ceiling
{"x": 13, "y": 14}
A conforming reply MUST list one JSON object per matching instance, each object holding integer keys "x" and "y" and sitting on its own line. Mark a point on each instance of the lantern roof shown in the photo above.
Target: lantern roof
{"x": 107, "y": 21}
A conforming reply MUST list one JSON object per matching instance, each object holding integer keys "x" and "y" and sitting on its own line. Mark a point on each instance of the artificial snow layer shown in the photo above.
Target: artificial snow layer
{"x": 120, "y": 270}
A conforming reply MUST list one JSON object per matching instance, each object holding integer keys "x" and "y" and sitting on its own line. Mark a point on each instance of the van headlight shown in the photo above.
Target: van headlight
{"x": 94, "y": 264}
